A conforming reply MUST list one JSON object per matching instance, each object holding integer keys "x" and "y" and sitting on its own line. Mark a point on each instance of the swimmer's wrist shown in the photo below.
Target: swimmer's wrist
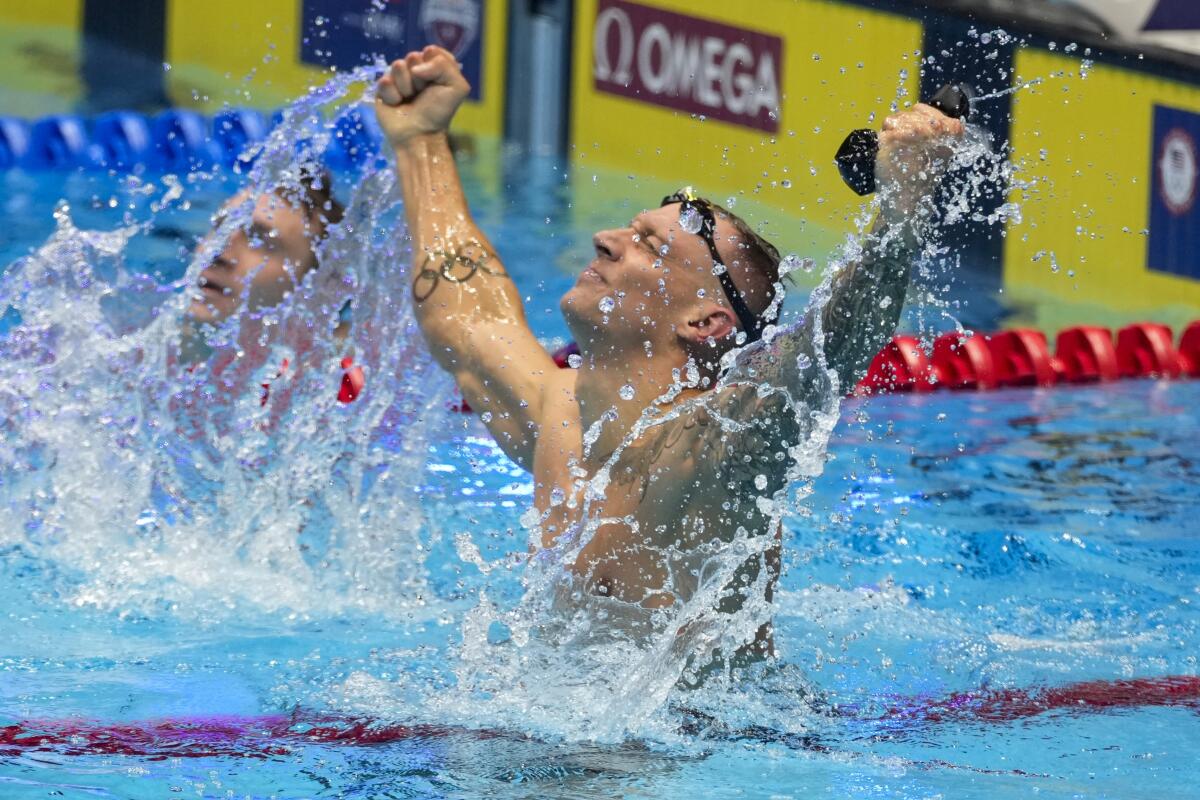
{"x": 421, "y": 143}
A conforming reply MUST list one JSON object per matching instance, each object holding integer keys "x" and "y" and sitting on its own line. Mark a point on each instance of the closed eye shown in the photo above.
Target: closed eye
{"x": 643, "y": 240}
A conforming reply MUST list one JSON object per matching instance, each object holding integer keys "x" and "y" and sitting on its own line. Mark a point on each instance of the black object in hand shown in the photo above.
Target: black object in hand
{"x": 856, "y": 156}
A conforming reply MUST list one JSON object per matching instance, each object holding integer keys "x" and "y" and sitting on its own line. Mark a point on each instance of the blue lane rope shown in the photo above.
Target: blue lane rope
{"x": 174, "y": 140}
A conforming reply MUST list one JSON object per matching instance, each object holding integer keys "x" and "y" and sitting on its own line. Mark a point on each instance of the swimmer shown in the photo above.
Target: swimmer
{"x": 651, "y": 309}
{"x": 264, "y": 262}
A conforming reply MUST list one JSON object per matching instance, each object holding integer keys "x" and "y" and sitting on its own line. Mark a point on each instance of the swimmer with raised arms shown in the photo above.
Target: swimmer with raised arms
{"x": 649, "y": 311}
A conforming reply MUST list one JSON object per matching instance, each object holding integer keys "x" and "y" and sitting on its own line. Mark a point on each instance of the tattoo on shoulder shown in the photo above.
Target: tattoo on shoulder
{"x": 455, "y": 266}
{"x": 755, "y": 446}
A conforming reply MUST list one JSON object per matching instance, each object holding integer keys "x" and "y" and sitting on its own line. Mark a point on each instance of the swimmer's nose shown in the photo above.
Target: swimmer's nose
{"x": 603, "y": 243}
{"x": 223, "y": 261}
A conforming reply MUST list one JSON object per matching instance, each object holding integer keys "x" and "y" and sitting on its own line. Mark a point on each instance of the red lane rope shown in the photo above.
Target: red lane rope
{"x": 277, "y": 735}
{"x": 1018, "y": 357}
{"x": 1006, "y": 705}
{"x": 1022, "y": 357}
{"x": 209, "y": 736}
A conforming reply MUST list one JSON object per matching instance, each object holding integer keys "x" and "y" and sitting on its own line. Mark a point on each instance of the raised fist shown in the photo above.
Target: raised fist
{"x": 914, "y": 153}
{"x": 419, "y": 94}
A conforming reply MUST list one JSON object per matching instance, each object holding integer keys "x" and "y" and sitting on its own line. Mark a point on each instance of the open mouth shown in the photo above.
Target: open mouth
{"x": 210, "y": 288}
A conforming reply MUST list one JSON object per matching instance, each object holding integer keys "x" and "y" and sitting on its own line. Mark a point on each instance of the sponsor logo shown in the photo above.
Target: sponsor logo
{"x": 452, "y": 24}
{"x": 688, "y": 64}
{"x": 1177, "y": 171}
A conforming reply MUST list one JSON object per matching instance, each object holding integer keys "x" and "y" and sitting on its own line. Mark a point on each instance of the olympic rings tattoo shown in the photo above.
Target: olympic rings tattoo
{"x": 455, "y": 268}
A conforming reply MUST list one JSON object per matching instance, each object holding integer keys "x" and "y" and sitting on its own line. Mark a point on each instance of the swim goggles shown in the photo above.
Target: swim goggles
{"x": 752, "y": 323}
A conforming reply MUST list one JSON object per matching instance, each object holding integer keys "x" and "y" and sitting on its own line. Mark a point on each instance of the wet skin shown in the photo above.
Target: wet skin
{"x": 683, "y": 489}
{"x": 259, "y": 265}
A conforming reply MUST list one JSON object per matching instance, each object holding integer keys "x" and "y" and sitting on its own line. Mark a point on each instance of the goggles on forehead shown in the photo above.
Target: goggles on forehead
{"x": 752, "y": 323}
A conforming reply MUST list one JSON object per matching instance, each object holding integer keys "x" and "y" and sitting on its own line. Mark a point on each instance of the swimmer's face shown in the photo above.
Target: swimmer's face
{"x": 258, "y": 265}
{"x": 659, "y": 281}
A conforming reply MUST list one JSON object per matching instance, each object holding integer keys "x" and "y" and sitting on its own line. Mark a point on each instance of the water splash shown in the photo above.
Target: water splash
{"x": 161, "y": 486}
{"x": 301, "y": 505}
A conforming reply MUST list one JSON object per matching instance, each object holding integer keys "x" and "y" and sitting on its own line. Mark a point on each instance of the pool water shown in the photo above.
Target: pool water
{"x": 960, "y": 549}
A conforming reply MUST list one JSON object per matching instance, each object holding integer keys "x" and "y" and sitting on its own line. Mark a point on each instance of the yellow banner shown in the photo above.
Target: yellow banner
{"x": 833, "y": 67}
{"x": 1085, "y": 140}
{"x": 40, "y": 54}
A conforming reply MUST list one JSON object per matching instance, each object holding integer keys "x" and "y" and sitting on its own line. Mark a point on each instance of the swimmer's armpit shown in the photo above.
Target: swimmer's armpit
{"x": 454, "y": 266}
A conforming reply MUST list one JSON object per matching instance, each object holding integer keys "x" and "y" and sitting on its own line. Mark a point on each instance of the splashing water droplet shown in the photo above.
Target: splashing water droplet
{"x": 575, "y": 361}
{"x": 792, "y": 262}
{"x": 607, "y": 304}
{"x": 690, "y": 220}
{"x": 627, "y": 392}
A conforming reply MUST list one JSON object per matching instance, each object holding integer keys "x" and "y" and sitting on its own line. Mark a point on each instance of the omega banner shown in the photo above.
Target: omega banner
{"x": 689, "y": 64}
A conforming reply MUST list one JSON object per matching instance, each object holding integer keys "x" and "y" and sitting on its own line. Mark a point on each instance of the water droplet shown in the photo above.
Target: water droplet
{"x": 574, "y": 361}
{"x": 760, "y": 482}
{"x": 886, "y": 302}
{"x": 785, "y": 183}
{"x": 557, "y": 496}
{"x": 627, "y": 392}
{"x": 690, "y": 220}
{"x": 701, "y": 293}
{"x": 486, "y": 416}
{"x": 792, "y": 262}
{"x": 803, "y": 361}
{"x": 607, "y": 304}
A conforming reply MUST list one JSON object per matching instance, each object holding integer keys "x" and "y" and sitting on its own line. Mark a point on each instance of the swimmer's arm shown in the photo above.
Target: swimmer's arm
{"x": 853, "y": 314}
{"x": 849, "y": 317}
{"x": 468, "y": 308}
{"x": 865, "y": 298}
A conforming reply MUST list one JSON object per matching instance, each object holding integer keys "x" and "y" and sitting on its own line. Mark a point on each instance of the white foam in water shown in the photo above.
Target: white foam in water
{"x": 156, "y": 487}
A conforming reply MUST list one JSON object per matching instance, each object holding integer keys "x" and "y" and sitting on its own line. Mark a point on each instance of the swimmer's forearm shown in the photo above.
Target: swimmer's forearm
{"x": 456, "y": 274}
{"x": 866, "y": 298}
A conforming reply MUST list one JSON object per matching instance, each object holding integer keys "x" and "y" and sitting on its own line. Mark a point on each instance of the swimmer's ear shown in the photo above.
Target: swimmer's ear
{"x": 709, "y": 321}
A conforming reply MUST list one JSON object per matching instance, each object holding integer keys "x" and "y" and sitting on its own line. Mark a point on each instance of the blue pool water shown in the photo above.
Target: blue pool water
{"x": 956, "y": 543}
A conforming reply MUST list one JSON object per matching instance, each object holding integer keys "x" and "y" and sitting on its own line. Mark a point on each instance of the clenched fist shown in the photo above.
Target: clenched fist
{"x": 914, "y": 153}
{"x": 419, "y": 94}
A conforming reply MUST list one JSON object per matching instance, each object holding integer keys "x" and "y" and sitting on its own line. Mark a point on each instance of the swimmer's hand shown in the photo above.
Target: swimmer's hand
{"x": 914, "y": 154}
{"x": 419, "y": 94}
